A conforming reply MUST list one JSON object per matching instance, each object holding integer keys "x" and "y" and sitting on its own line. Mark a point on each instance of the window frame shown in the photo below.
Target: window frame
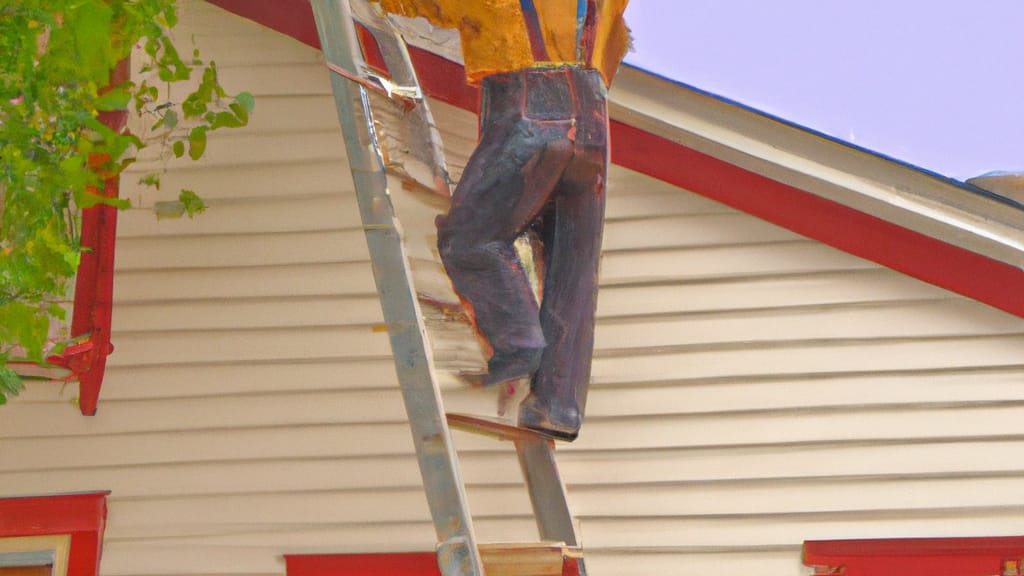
{"x": 80, "y": 517}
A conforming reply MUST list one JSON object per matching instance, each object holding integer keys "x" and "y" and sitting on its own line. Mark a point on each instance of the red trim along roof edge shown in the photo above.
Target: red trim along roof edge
{"x": 920, "y": 256}
{"x": 82, "y": 516}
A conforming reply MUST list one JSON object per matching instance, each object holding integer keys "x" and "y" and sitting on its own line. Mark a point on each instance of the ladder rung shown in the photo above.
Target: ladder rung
{"x": 502, "y": 429}
{"x": 527, "y": 559}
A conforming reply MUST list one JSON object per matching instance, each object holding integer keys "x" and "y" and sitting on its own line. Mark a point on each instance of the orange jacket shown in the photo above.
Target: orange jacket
{"x": 496, "y": 38}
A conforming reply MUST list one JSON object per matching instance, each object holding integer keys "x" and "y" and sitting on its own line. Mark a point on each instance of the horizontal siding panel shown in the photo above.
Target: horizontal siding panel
{"x": 337, "y": 278}
{"x": 624, "y": 207}
{"x": 826, "y": 357}
{"x": 244, "y": 314}
{"x": 280, "y": 79}
{"x": 285, "y": 248}
{"x": 691, "y": 230}
{"x": 796, "y": 497}
{"x": 290, "y": 475}
{"x": 188, "y": 379}
{"x": 212, "y": 413}
{"x": 813, "y": 289}
{"x": 698, "y": 563}
{"x": 262, "y": 215}
{"x": 924, "y": 319}
{"x": 349, "y": 406}
{"x": 290, "y": 181}
{"x": 743, "y": 431}
{"x": 724, "y": 262}
{"x": 745, "y": 533}
{"x": 30, "y": 453}
{"x": 585, "y": 472}
{"x": 778, "y": 427}
{"x": 236, "y": 45}
{"x": 245, "y": 148}
{"x": 316, "y": 537}
{"x": 253, "y": 344}
{"x": 881, "y": 390}
{"x": 876, "y": 459}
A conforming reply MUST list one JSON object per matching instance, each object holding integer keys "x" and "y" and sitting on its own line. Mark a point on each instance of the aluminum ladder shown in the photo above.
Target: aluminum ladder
{"x": 458, "y": 552}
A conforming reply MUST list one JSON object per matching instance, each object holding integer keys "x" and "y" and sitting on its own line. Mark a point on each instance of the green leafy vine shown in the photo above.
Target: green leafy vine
{"x": 56, "y": 60}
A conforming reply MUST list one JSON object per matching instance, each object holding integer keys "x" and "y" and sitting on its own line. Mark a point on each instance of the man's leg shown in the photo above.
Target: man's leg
{"x": 508, "y": 180}
{"x": 572, "y": 245}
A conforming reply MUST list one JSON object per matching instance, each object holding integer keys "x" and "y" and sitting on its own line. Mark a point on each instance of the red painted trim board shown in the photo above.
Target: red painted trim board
{"x": 916, "y": 557}
{"x": 94, "y": 286}
{"x": 917, "y": 255}
{"x": 82, "y": 516}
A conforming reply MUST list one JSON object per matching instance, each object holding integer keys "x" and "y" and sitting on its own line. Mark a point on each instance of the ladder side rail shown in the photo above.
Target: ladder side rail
{"x": 457, "y": 553}
{"x": 399, "y": 64}
{"x": 546, "y": 489}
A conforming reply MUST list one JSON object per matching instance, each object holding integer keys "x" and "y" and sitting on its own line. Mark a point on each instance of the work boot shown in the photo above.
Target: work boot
{"x": 556, "y": 418}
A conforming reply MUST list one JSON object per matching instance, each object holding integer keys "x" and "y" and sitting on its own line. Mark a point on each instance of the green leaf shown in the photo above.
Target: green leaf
{"x": 170, "y": 119}
{"x": 116, "y": 99}
{"x": 247, "y": 101}
{"x": 178, "y": 148}
{"x": 197, "y": 142}
{"x": 10, "y": 384}
{"x": 89, "y": 24}
{"x": 223, "y": 120}
{"x": 150, "y": 180}
{"x": 193, "y": 203}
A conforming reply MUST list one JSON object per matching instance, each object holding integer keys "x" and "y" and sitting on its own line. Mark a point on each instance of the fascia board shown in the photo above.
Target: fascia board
{"x": 866, "y": 182}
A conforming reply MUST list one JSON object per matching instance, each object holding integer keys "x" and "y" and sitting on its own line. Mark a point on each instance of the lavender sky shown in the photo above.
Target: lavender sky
{"x": 938, "y": 84}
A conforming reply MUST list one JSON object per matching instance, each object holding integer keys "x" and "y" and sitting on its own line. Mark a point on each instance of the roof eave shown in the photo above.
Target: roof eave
{"x": 884, "y": 188}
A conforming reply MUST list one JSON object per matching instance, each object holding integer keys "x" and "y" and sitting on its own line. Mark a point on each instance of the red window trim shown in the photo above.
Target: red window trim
{"x": 917, "y": 556}
{"x": 81, "y": 516}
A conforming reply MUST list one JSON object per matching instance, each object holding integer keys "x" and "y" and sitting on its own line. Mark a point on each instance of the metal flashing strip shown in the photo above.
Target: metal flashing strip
{"x": 881, "y": 187}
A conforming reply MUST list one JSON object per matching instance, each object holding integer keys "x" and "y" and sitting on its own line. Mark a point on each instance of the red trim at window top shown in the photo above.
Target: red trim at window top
{"x": 917, "y": 557}
{"x": 82, "y": 516}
